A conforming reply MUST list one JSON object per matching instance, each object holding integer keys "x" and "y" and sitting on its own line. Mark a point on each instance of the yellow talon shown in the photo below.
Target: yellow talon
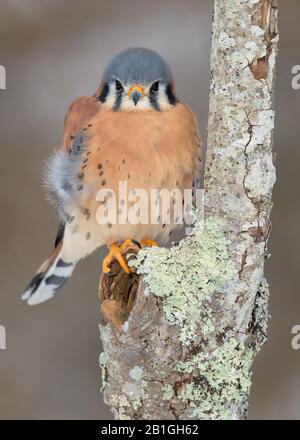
{"x": 115, "y": 251}
{"x": 148, "y": 243}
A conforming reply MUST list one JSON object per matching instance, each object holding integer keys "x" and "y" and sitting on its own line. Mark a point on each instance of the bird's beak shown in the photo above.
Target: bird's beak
{"x": 136, "y": 92}
{"x": 135, "y": 96}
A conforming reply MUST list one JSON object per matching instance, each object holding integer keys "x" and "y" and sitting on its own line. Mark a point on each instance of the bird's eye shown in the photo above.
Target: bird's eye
{"x": 155, "y": 87}
{"x": 118, "y": 85}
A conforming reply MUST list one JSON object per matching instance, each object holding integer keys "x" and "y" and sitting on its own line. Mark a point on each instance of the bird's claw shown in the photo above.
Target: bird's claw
{"x": 117, "y": 252}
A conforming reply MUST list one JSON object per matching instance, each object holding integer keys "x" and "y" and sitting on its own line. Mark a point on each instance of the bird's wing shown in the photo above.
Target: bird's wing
{"x": 62, "y": 167}
{"x": 77, "y": 118}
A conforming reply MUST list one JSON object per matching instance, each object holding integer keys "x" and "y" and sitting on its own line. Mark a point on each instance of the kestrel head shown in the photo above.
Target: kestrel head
{"x": 137, "y": 79}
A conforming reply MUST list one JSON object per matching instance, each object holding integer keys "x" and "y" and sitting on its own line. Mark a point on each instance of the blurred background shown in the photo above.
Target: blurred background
{"x": 54, "y": 51}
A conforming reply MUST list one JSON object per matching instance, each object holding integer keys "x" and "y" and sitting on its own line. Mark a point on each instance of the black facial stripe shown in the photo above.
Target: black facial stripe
{"x": 118, "y": 101}
{"x": 170, "y": 95}
{"x": 153, "y": 101}
{"x": 104, "y": 92}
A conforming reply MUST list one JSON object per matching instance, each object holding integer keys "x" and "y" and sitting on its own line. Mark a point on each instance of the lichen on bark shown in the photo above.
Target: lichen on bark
{"x": 186, "y": 276}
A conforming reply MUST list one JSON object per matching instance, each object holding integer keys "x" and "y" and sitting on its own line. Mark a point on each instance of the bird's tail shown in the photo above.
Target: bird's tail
{"x": 50, "y": 277}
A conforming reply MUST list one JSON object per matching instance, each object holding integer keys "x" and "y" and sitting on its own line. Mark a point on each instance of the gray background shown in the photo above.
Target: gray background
{"x": 54, "y": 51}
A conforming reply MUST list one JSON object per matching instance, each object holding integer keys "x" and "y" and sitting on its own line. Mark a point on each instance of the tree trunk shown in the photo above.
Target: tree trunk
{"x": 186, "y": 347}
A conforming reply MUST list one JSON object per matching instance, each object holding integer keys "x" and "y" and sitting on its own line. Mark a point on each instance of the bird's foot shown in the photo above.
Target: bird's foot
{"x": 117, "y": 252}
{"x": 146, "y": 242}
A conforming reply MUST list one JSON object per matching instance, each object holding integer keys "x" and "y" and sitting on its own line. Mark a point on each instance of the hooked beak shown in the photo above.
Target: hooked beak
{"x": 135, "y": 96}
{"x": 136, "y": 92}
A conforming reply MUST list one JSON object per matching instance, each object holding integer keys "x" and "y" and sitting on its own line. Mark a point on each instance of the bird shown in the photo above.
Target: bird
{"x": 134, "y": 129}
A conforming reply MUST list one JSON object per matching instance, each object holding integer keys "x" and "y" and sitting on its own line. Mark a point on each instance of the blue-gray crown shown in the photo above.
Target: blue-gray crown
{"x": 138, "y": 65}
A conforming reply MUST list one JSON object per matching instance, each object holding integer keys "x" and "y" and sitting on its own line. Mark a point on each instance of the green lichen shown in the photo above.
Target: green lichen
{"x": 223, "y": 379}
{"x": 135, "y": 402}
{"x": 136, "y": 373}
{"x": 260, "y": 316}
{"x": 167, "y": 391}
{"x": 186, "y": 275}
{"x": 121, "y": 403}
{"x": 102, "y": 363}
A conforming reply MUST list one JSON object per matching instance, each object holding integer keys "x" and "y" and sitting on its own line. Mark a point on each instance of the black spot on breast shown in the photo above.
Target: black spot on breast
{"x": 99, "y": 166}
{"x": 123, "y": 161}
{"x": 87, "y": 213}
{"x": 70, "y": 218}
{"x": 109, "y": 225}
{"x": 85, "y": 160}
{"x": 103, "y": 182}
{"x": 80, "y": 176}
{"x": 88, "y": 235}
{"x": 79, "y": 187}
{"x": 101, "y": 173}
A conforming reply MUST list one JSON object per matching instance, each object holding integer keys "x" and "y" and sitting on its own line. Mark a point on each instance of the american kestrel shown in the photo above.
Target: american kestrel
{"x": 133, "y": 130}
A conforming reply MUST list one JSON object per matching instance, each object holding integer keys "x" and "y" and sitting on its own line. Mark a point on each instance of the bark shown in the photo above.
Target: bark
{"x": 199, "y": 316}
